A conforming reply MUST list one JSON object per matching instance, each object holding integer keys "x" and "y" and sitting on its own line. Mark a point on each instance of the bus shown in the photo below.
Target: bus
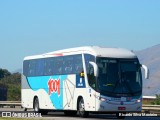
{"x": 83, "y": 80}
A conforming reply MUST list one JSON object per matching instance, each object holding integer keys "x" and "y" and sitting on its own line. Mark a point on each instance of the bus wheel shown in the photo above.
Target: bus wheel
{"x": 36, "y": 105}
{"x": 81, "y": 109}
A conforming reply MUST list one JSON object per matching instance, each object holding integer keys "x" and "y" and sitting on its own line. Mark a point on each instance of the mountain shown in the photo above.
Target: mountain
{"x": 17, "y": 71}
{"x": 151, "y": 58}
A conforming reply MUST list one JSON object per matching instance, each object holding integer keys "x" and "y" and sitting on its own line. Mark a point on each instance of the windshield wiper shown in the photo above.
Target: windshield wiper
{"x": 129, "y": 88}
{"x": 117, "y": 82}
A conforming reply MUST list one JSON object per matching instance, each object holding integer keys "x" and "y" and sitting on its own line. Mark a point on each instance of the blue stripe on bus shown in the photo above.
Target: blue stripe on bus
{"x": 52, "y": 85}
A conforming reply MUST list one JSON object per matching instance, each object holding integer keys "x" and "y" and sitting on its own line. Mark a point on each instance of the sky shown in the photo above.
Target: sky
{"x": 29, "y": 27}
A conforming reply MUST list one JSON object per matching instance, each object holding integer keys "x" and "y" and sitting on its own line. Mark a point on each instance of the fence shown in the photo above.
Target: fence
{"x": 11, "y": 104}
{"x": 151, "y": 108}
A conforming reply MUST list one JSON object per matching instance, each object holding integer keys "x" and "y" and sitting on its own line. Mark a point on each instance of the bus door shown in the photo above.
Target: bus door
{"x": 91, "y": 99}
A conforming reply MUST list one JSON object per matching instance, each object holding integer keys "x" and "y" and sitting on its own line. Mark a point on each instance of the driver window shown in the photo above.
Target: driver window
{"x": 91, "y": 78}
{"x": 90, "y": 70}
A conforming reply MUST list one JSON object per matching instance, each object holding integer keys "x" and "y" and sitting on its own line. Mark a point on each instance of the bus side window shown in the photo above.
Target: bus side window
{"x": 58, "y": 65}
{"x": 78, "y": 67}
{"x": 46, "y": 66}
{"x": 49, "y": 68}
{"x": 40, "y": 67}
{"x": 90, "y": 70}
{"x": 91, "y": 77}
{"x": 26, "y": 67}
{"x": 68, "y": 65}
{"x": 32, "y": 68}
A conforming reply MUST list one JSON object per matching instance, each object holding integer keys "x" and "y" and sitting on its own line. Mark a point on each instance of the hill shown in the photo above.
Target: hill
{"x": 151, "y": 58}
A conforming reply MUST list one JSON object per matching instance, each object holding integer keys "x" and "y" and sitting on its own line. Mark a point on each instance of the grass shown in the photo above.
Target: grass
{"x": 147, "y": 102}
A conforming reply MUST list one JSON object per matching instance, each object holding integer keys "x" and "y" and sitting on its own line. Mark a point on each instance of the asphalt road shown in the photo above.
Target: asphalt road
{"x": 14, "y": 112}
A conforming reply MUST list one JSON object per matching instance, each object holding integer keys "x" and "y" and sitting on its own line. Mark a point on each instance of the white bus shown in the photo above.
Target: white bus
{"x": 83, "y": 80}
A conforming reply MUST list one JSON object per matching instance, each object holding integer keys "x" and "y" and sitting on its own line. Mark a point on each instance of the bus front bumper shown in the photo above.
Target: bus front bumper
{"x": 119, "y": 107}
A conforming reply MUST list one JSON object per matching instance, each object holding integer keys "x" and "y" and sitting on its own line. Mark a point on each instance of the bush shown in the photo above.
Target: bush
{"x": 157, "y": 100}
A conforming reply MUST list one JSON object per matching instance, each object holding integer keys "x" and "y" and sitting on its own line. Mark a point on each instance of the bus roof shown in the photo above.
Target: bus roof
{"x": 94, "y": 50}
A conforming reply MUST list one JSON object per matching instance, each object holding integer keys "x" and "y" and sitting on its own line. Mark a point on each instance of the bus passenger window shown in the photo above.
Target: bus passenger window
{"x": 58, "y": 64}
{"x": 48, "y": 66}
{"x": 40, "y": 67}
{"x": 26, "y": 68}
{"x": 32, "y": 68}
{"x": 78, "y": 67}
{"x": 68, "y": 65}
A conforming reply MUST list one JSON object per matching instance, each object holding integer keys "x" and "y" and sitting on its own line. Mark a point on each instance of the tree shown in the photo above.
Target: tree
{"x": 13, "y": 84}
{"x": 4, "y": 73}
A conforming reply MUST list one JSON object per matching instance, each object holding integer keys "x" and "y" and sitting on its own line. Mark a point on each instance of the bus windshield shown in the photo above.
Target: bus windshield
{"x": 119, "y": 77}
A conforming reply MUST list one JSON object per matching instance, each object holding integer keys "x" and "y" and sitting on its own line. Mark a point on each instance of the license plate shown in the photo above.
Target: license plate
{"x": 121, "y": 108}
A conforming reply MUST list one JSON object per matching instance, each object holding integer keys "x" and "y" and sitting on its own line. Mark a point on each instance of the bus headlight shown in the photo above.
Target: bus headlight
{"x": 138, "y": 101}
{"x": 102, "y": 99}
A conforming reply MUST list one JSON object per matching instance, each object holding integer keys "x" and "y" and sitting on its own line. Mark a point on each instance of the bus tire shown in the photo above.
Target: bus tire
{"x": 37, "y": 109}
{"x": 81, "y": 109}
{"x": 24, "y": 109}
{"x": 36, "y": 105}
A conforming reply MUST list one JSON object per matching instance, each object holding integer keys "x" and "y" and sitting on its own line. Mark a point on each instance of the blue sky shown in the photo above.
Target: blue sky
{"x": 29, "y": 27}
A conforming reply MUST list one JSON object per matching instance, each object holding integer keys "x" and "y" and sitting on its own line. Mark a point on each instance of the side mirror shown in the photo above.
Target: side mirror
{"x": 95, "y": 68}
{"x": 146, "y": 70}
